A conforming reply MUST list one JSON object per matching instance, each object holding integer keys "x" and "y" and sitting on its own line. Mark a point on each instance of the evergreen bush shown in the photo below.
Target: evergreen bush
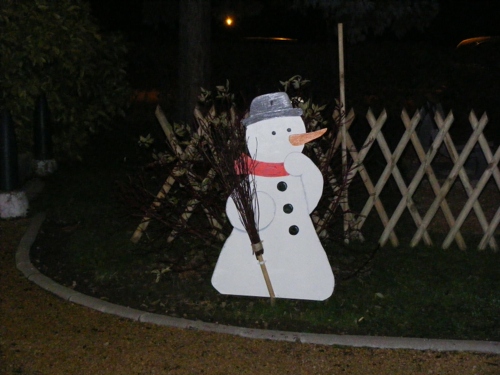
{"x": 55, "y": 47}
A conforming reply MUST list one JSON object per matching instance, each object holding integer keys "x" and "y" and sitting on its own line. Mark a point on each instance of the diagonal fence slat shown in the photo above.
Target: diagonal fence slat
{"x": 496, "y": 175}
{"x": 452, "y": 151}
{"x": 465, "y": 178}
{"x": 392, "y": 164}
{"x": 388, "y": 170}
{"x": 358, "y": 159}
{"x": 492, "y": 169}
{"x": 350, "y": 230}
{"x": 473, "y": 199}
{"x": 416, "y": 179}
{"x": 490, "y": 230}
{"x": 336, "y": 187}
{"x": 448, "y": 182}
{"x": 483, "y": 143}
{"x": 433, "y": 181}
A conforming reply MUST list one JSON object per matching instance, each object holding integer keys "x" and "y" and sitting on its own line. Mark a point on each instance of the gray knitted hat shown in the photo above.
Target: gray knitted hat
{"x": 268, "y": 106}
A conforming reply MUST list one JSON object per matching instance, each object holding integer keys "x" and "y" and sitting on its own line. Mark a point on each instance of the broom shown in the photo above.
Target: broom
{"x": 225, "y": 149}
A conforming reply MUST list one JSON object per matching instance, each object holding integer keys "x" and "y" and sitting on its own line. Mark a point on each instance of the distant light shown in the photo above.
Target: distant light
{"x": 275, "y": 39}
{"x": 475, "y": 41}
{"x": 229, "y": 21}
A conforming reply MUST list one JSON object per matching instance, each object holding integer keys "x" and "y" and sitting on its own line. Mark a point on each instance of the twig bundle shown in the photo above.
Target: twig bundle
{"x": 225, "y": 148}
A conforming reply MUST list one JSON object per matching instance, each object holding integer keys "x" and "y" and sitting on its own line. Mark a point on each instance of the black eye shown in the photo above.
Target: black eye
{"x": 288, "y": 130}
{"x": 273, "y": 133}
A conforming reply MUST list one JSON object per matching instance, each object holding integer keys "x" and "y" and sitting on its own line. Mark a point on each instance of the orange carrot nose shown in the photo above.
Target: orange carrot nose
{"x": 302, "y": 139}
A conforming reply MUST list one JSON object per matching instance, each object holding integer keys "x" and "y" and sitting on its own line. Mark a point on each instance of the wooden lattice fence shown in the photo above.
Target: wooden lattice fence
{"x": 440, "y": 188}
{"x": 426, "y": 179}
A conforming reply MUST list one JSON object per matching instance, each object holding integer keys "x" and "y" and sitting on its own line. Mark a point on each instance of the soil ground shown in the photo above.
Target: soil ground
{"x": 41, "y": 334}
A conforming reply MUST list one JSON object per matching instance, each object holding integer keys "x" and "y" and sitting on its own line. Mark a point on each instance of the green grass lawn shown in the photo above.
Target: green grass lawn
{"x": 411, "y": 292}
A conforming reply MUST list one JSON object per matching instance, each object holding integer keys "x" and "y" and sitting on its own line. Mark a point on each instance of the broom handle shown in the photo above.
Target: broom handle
{"x": 266, "y": 278}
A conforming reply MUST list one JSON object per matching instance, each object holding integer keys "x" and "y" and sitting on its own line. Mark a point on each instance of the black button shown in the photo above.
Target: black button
{"x": 293, "y": 230}
{"x": 282, "y": 186}
{"x": 287, "y": 208}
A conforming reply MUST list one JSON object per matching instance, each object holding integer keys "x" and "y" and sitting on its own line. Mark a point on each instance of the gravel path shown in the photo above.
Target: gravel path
{"x": 42, "y": 334}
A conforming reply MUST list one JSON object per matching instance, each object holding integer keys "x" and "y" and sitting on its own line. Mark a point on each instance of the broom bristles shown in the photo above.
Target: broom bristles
{"x": 227, "y": 153}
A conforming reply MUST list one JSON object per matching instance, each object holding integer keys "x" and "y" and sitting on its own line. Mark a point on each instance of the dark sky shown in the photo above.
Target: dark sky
{"x": 460, "y": 19}
{"x": 457, "y": 20}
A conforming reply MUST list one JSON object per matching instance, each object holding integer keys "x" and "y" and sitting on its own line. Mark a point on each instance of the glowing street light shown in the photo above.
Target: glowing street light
{"x": 229, "y": 21}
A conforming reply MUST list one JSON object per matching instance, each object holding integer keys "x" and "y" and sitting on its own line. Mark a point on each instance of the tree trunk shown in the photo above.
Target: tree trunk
{"x": 194, "y": 54}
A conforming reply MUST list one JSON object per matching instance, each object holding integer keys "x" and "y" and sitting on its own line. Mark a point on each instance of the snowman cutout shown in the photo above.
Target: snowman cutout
{"x": 288, "y": 187}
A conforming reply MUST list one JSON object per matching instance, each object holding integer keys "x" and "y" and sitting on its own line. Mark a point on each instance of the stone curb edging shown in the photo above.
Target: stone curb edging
{"x": 23, "y": 263}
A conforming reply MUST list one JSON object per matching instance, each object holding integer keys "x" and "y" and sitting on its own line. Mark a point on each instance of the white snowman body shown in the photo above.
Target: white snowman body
{"x": 287, "y": 194}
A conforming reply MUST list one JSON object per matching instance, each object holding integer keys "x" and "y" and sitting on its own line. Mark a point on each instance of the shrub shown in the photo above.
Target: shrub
{"x": 55, "y": 47}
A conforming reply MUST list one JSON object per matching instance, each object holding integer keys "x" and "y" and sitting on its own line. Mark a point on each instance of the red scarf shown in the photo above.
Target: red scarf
{"x": 260, "y": 168}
